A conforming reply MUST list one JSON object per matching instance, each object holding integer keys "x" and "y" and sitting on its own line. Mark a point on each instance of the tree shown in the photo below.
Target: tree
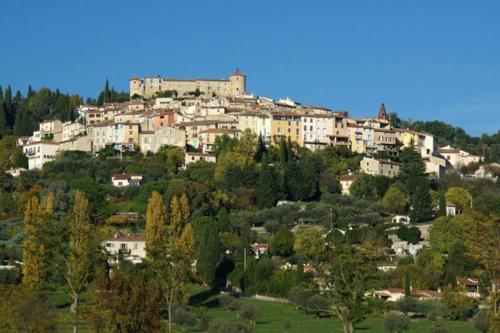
{"x": 412, "y": 170}
{"x": 459, "y": 197}
{"x": 267, "y": 192}
{"x": 407, "y": 284}
{"x": 309, "y": 243}
{"x": 23, "y": 311}
{"x": 3, "y": 121}
{"x": 175, "y": 159}
{"x": 396, "y": 323}
{"x": 442, "y": 204}
{"x": 36, "y": 256}
{"x": 349, "y": 276}
{"x": 411, "y": 235}
{"x": 208, "y": 249}
{"x": 406, "y": 305}
{"x": 81, "y": 253}
{"x": 282, "y": 243}
{"x": 250, "y": 312}
{"x": 394, "y": 200}
{"x": 481, "y": 322}
{"x": 421, "y": 204}
{"x": 127, "y": 301}
{"x": 482, "y": 239}
{"x": 156, "y": 219}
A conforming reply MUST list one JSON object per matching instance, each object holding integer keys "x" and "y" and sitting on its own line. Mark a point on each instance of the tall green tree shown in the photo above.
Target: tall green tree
{"x": 208, "y": 249}
{"x": 3, "y": 121}
{"x": 350, "y": 274}
{"x": 421, "y": 204}
{"x": 81, "y": 260}
{"x": 267, "y": 192}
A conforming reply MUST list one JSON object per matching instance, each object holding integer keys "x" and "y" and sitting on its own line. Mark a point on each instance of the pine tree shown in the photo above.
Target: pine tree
{"x": 81, "y": 253}
{"x": 156, "y": 218}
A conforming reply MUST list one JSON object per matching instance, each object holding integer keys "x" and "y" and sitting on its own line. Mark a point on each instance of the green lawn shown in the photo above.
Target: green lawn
{"x": 273, "y": 317}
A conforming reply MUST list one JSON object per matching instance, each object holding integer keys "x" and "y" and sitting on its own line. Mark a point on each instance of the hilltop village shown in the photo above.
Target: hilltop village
{"x": 194, "y": 205}
{"x": 192, "y": 113}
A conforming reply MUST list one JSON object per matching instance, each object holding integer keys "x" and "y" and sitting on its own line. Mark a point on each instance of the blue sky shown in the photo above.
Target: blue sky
{"x": 424, "y": 59}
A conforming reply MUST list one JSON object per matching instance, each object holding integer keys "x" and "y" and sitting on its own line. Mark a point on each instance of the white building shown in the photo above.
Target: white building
{"x": 193, "y": 157}
{"x": 346, "y": 181}
{"x": 258, "y": 122}
{"x": 15, "y": 172}
{"x": 458, "y": 158}
{"x": 123, "y": 180}
{"x": 72, "y": 130}
{"x": 39, "y": 153}
{"x": 131, "y": 247}
{"x": 317, "y": 129}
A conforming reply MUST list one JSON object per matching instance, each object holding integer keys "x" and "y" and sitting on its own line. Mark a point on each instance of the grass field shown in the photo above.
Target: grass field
{"x": 273, "y": 317}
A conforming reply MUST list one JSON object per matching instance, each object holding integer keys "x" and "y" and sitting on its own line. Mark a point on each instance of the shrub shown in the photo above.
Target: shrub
{"x": 457, "y": 306}
{"x": 250, "y": 312}
{"x": 396, "y": 323}
{"x": 406, "y": 305}
{"x": 226, "y": 301}
{"x": 217, "y": 326}
{"x": 481, "y": 322}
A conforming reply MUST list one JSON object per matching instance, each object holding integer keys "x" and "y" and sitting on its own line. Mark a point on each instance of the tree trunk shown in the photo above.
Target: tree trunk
{"x": 75, "y": 313}
{"x": 169, "y": 318}
{"x": 348, "y": 328}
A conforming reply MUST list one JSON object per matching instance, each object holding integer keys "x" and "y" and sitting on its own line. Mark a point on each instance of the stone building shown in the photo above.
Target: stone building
{"x": 148, "y": 87}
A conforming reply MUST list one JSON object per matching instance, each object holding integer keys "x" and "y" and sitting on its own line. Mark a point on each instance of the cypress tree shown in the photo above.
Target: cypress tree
{"x": 1, "y": 95}
{"x": 261, "y": 148}
{"x": 283, "y": 152}
{"x": 18, "y": 97}
{"x": 407, "y": 284}
{"x": 30, "y": 92}
{"x": 442, "y": 204}
{"x": 267, "y": 192}
{"x": 106, "y": 92}
{"x": 289, "y": 150}
{"x": 3, "y": 121}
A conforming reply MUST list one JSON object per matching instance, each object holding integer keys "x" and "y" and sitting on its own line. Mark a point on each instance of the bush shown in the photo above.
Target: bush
{"x": 457, "y": 306}
{"x": 183, "y": 317}
{"x": 481, "y": 322}
{"x": 218, "y": 326}
{"x": 396, "y": 323}
{"x": 226, "y": 301}
{"x": 250, "y": 312}
{"x": 406, "y": 305}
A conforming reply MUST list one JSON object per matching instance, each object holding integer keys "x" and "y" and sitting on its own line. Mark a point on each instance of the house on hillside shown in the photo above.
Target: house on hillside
{"x": 131, "y": 247}
{"x": 346, "y": 181}
{"x": 396, "y": 294}
{"x": 123, "y": 180}
{"x": 471, "y": 286}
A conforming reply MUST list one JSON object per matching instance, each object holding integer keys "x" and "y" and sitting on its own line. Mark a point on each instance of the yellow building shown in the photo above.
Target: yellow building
{"x": 147, "y": 87}
{"x": 286, "y": 125}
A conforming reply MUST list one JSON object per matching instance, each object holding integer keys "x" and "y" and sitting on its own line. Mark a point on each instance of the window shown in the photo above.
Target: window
{"x": 108, "y": 244}
{"x": 123, "y": 246}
